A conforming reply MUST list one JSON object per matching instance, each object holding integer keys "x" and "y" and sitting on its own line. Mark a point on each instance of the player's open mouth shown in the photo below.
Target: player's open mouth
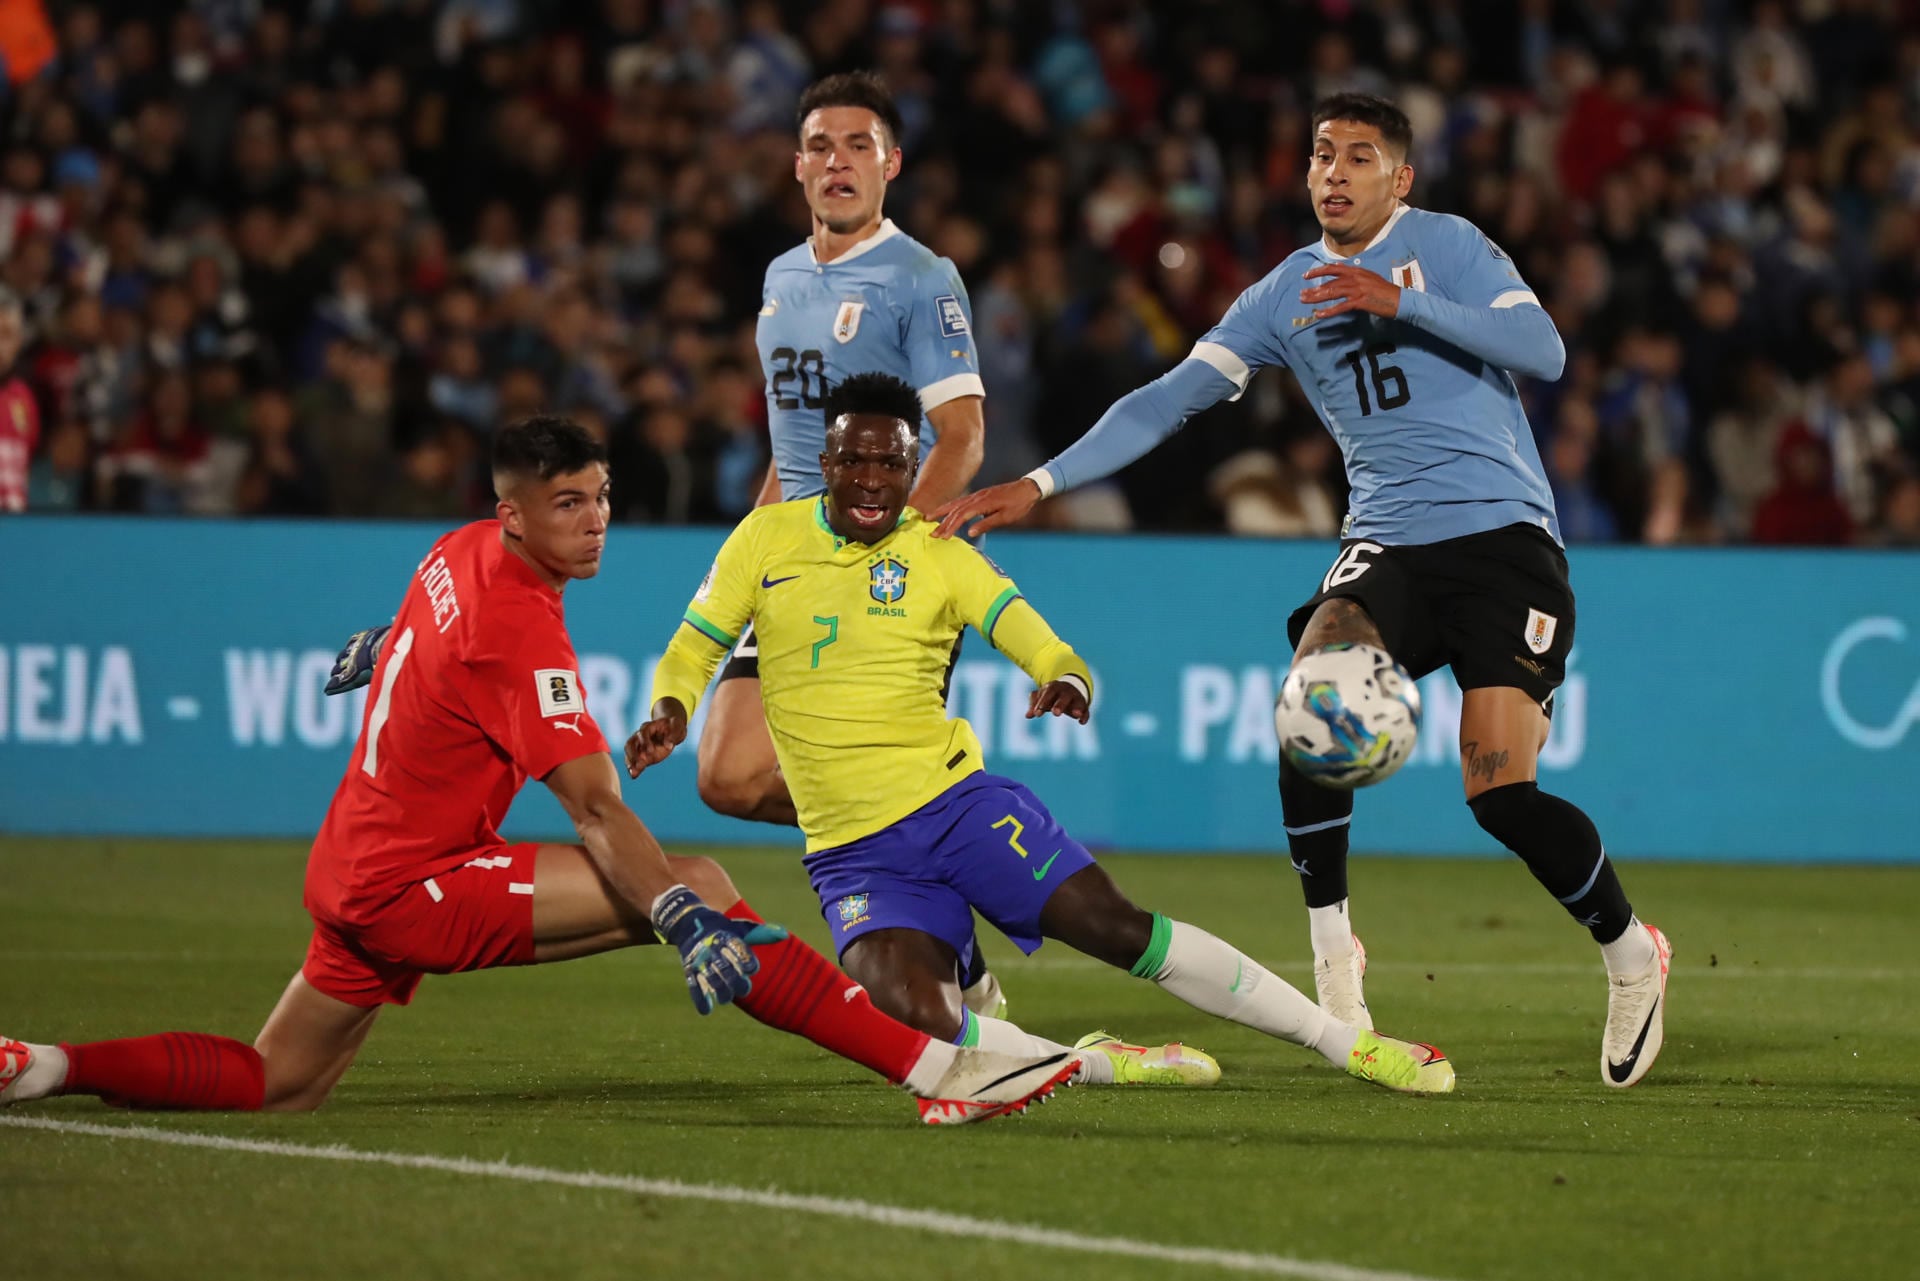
{"x": 868, "y": 515}
{"x": 837, "y": 191}
{"x": 1336, "y": 204}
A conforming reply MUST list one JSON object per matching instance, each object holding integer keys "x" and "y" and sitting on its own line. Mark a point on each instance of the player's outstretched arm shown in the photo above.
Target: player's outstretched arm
{"x": 1134, "y": 424}
{"x": 714, "y": 949}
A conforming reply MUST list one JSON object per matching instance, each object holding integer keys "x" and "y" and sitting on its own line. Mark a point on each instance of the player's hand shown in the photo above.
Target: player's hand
{"x": 655, "y": 741}
{"x": 985, "y": 509}
{"x": 354, "y": 667}
{"x": 1349, "y": 288}
{"x": 1062, "y": 698}
{"x": 716, "y": 951}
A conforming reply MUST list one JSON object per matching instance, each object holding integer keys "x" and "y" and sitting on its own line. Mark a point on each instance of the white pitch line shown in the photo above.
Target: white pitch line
{"x": 936, "y": 1221}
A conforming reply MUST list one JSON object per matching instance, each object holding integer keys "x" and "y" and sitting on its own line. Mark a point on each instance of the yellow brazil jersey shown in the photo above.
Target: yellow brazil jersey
{"x": 856, "y": 642}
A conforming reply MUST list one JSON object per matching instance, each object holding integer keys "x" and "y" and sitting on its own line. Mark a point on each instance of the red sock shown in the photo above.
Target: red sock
{"x": 189, "y": 1070}
{"x": 798, "y": 990}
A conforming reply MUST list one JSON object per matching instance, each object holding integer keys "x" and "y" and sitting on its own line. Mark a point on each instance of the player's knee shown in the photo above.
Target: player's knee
{"x": 707, "y": 879}
{"x": 1507, "y": 813}
{"x": 283, "y": 1095}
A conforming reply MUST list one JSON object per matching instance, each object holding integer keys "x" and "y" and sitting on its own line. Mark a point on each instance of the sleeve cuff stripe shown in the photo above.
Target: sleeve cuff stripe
{"x": 998, "y": 608}
{"x": 1516, "y": 298}
{"x": 1230, "y": 366}
{"x": 708, "y": 630}
{"x": 934, "y": 395}
{"x": 1086, "y": 690}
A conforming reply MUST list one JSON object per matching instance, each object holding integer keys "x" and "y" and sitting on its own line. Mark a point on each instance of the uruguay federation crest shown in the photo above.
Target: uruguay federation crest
{"x": 846, "y": 323}
{"x": 852, "y": 908}
{"x": 886, "y": 580}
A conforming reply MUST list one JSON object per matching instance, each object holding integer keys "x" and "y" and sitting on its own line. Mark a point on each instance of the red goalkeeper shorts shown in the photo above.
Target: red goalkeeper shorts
{"x": 476, "y": 917}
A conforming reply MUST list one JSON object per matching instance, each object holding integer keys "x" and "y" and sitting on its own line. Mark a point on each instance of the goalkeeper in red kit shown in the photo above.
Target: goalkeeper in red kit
{"x": 476, "y": 691}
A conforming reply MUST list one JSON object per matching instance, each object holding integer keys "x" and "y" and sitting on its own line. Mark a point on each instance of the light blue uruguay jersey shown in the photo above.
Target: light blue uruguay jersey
{"x": 888, "y": 305}
{"x": 1435, "y": 439}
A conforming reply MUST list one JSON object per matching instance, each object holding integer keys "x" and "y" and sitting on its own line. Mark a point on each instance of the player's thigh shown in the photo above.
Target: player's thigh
{"x": 1369, "y": 596}
{"x": 736, "y": 747}
{"x": 1091, "y": 914}
{"x": 576, "y": 913}
{"x": 911, "y": 976}
{"x": 1008, "y": 856}
{"x": 1505, "y": 609}
{"x": 308, "y": 1042}
{"x": 1502, "y": 729}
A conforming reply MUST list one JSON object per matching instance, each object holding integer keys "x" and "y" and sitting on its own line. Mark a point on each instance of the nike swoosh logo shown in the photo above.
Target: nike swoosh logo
{"x": 775, "y": 582}
{"x": 1041, "y": 874}
{"x": 1238, "y": 970}
{"x": 1624, "y": 1068}
{"x": 1043, "y": 1067}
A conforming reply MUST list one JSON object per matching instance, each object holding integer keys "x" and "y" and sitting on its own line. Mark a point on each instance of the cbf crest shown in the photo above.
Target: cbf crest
{"x": 887, "y": 580}
{"x": 846, "y": 322}
{"x": 853, "y": 910}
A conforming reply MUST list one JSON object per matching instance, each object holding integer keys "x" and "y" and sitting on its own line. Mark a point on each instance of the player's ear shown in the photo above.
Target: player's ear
{"x": 1403, "y": 180}
{"x": 509, "y": 517}
{"x": 894, "y": 160}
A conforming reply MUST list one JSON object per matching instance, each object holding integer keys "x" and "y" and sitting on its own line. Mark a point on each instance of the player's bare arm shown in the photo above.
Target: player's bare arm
{"x": 588, "y": 788}
{"x": 770, "y": 487}
{"x": 1348, "y": 288}
{"x": 960, "y": 428}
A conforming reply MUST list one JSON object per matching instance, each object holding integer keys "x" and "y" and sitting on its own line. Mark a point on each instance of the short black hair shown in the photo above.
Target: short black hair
{"x": 1365, "y": 109}
{"x": 545, "y": 445}
{"x": 852, "y": 89}
{"x": 882, "y": 395}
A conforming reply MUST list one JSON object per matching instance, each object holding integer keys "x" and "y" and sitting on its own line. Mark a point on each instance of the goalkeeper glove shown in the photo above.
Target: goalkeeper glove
{"x": 715, "y": 950}
{"x": 354, "y": 667}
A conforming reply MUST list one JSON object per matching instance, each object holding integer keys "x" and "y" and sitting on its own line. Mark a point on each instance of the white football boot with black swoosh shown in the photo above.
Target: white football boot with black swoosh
{"x": 982, "y": 1084}
{"x": 1636, "y": 1017}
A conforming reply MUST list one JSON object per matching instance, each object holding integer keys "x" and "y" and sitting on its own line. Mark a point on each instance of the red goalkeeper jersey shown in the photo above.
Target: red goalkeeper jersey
{"x": 477, "y": 690}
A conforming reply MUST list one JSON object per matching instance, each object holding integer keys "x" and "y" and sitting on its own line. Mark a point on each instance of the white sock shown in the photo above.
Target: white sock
{"x": 1008, "y": 1038}
{"x": 44, "y": 1075}
{"x": 1212, "y": 975}
{"x": 1332, "y": 931}
{"x": 1632, "y": 952}
{"x": 932, "y": 1065}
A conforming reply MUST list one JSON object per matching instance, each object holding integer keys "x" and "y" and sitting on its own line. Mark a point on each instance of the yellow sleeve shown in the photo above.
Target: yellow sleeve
{"x": 712, "y": 623}
{"x": 990, "y": 601}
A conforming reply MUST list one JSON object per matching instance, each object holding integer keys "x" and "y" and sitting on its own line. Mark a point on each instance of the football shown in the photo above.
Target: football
{"x": 1348, "y": 716}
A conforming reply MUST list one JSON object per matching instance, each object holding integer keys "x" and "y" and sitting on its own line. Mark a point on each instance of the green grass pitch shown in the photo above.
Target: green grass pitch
{"x": 1776, "y": 1137}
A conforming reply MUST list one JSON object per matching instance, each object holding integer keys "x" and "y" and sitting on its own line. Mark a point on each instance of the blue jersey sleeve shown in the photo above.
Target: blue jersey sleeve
{"x": 1479, "y": 303}
{"x": 1468, "y": 267}
{"x": 1247, "y": 339}
{"x": 939, "y": 338}
{"x": 1218, "y": 368}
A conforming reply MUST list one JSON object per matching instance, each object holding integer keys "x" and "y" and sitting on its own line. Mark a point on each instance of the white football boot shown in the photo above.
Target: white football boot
{"x": 1338, "y": 982}
{"x": 983, "y": 1084}
{"x": 1636, "y": 1017}
{"x": 29, "y": 1071}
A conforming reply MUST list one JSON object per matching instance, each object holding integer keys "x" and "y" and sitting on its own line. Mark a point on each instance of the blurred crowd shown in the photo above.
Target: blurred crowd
{"x": 302, "y": 259}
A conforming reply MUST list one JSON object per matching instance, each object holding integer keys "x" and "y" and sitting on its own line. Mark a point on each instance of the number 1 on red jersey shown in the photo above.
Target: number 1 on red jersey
{"x": 395, "y": 660}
